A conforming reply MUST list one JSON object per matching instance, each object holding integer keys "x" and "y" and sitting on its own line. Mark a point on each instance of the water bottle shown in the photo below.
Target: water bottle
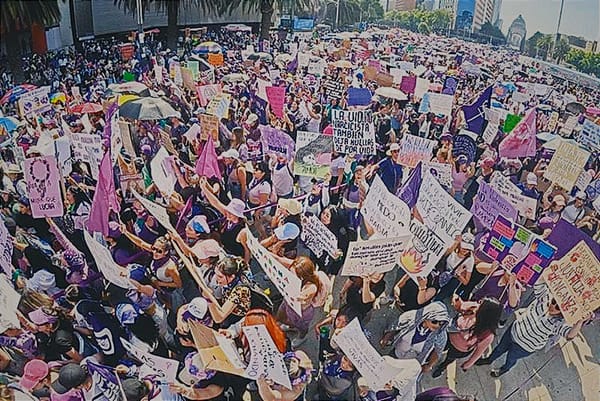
{"x": 323, "y": 342}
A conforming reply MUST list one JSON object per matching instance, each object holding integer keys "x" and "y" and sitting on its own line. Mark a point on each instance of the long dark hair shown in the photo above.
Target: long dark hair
{"x": 487, "y": 317}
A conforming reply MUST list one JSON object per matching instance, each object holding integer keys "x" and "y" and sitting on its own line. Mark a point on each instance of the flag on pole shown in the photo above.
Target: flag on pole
{"x": 520, "y": 142}
{"x": 206, "y": 165}
{"x": 105, "y": 198}
{"x": 474, "y": 112}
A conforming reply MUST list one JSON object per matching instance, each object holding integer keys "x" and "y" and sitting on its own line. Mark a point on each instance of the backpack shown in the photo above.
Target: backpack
{"x": 258, "y": 298}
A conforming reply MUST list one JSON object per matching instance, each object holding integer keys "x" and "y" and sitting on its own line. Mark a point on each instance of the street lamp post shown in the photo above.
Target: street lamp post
{"x": 562, "y": 3}
{"x": 337, "y": 15}
{"x": 140, "y": 20}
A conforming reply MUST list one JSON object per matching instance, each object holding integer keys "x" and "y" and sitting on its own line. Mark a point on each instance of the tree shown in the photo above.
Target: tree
{"x": 371, "y": 10}
{"x": 424, "y": 28}
{"x": 561, "y": 49}
{"x": 350, "y": 11}
{"x": 436, "y": 21}
{"x": 586, "y": 62}
{"x": 531, "y": 44}
{"x": 544, "y": 43}
{"x": 16, "y": 15}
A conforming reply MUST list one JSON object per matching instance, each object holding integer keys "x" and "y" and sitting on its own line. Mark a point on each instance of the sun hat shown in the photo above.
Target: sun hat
{"x": 252, "y": 118}
{"x": 236, "y": 207}
{"x": 208, "y": 248}
{"x": 230, "y": 154}
{"x": 34, "y": 372}
{"x": 288, "y": 231}
{"x": 69, "y": 377}
{"x": 393, "y": 147}
{"x": 467, "y": 241}
{"x": 13, "y": 169}
{"x": 292, "y": 206}
{"x": 531, "y": 179}
{"x": 199, "y": 224}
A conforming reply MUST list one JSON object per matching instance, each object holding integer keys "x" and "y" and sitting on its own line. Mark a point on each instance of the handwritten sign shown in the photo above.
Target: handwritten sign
{"x": 6, "y": 250}
{"x": 374, "y": 256}
{"x": 111, "y": 271}
{"x": 525, "y": 205}
{"x": 334, "y": 89}
{"x": 313, "y": 154}
{"x": 566, "y": 164}
{"x": 464, "y": 145}
{"x": 285, "y": 281}
{"x": 162, "y": 172}
{"x": 317, "y": 237}
{"x": 159, "y": 212}
{"x": 440, "y": 103}
{"x": 414, "y": 149}
{"x": 276, "y": 141}
{"x": 88, "y": 148}
{"x": 574, "y": 281}
{"x": 35, "y": 101}
{"x": 208, "y": 92}
{"x": 43, "y": 184}
{"x": 385, "y": 212}
{"x": 440, "y": 212}
{"x": 219, "y": 105}
{"x": 265, "y": 358}
{"x": 164, "y": 368}
{"x": 441, "y": 171}
{"x": 489, "y": 204}
{"x": 590, "y": 135}
{"x": 353, "y": 132}
{"x": 427, "y": 249}
{"x": 209, "y": 125}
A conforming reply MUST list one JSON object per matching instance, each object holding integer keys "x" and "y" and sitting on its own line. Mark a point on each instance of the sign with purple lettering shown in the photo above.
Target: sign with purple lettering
{"x": 276, "y": 141}
{"x": 518, "y": 250}
{"x": 489, "y": 204}
{"x": 42, "y": 177}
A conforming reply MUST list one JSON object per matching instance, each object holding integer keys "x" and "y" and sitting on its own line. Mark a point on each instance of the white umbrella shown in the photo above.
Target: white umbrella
{"x": 391, "y": 93}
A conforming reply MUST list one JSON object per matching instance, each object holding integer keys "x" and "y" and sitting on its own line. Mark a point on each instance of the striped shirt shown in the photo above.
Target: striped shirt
{"x": 535, "y": 327}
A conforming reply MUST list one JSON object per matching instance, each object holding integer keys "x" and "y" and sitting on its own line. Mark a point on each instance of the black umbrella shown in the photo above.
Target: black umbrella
{"x": 575, "y": 108}
{"x": 147, "y": 108}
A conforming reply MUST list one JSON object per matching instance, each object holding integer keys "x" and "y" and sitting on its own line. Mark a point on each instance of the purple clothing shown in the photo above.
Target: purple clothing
{"x": 71, "y": 395}
{"x": 491, "y": 288}
{"x": 302, "y": 323}
{"x": 124, "y": 257}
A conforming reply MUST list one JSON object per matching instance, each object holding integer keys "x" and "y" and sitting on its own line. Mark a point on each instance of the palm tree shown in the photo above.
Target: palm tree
{"x": 561, "y": 48}
{"x": 545, "y": 42}
{"x": 350, "y": 11}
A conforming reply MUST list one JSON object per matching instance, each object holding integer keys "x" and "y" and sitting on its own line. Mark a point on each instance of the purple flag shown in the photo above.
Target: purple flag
{"x": 474, "y": 112}
{"x": 293, "y": 65}
{"x": 565, "y": 236}
{"x": 409, "y": 192}
{"x": 359, "y": 97}
{"x": 105, "y": 386}
{"x": 105, "y": 198}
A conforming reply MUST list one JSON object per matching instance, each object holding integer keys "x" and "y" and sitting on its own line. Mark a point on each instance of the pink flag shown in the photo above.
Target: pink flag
{"x": 207, "y": 164}
{"x": 520, "y": 142}
{"x": 276, "y": 97}
{"x": 105, "y": 198}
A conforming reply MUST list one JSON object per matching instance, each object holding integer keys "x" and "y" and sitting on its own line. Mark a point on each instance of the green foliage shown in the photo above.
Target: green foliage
{"x": 561, "y": 49}
{"x": 436, "y": 21}
{"x": 531, "y": 44}
{"x": 16, "y": 15}
{"x": 586, "y": 62}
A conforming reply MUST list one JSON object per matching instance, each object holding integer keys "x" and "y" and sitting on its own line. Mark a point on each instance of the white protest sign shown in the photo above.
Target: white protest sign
{"x": 583, "y": 180}
{"x": 520, "y": 97}
{"x": 219, "y": 105}
{"x": 492, "y": 116}
{"x": 353, "y": 132}
{"x": 9, "y": 299}
{"x": 414, "y": 149}
{"x": 356, "y": 347}
{"x": 374, "y": 256}
{"x": 386, "y": 213}
{"x": 440, "y": 211}
{"x": 6, "y": 249}
{"x": 159, "y": 212}
{"x": 566, "y": 165}
{"x": 590, "y": 135}
{"x": 441, "y": 171}
{"x": 261, "y": 86}
{"x": 421, "y": 87}
{"x": 35, "y": 101}
{"x": 43, "y": 186}
{"x": 525, "y": 205}
{"x": 288, "y": 284}
{"x": 317, "y": 237}
{"x": 440, "y": 103}
{"x": 265, "y": 358}
{"x": 405, "y": 380}
{"x": 165, "y": 368}
{"x": 88, "y": 148}
{"x": 490, "y": 133}
{"x": 426, "y": 251}
{"x": 111, "y": 271}
{"x": 162, "y": 172}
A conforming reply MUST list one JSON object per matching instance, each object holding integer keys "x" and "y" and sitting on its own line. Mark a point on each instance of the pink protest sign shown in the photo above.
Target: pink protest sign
{"x": 43, "y": 178}
{"x": 276, "y": 97}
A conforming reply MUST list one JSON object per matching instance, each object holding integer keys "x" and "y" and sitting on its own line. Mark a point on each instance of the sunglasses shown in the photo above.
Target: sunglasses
{"x": 158, "y": 250}
{"x": 436, "y": 322}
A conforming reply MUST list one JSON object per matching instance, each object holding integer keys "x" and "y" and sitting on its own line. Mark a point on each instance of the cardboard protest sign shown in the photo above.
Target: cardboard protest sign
{"x": 441, "y": 171}
{"x": 208, "y": 92}
{"x": 384, "y": 79}
{"x": 286, "y": 281}
{"x": 276, "y": 98}
{"x": 334, "y": 89}
{"x": 313, "y": 154}
{"x": 276, "y": 141}
{"x": 384, "y": 212}
{"x": 36, "y": 101}
{"x": 175, "y": 72}
{"x": 526, "y": 206}
{"x": 359, "y": 97}
{"x": 590, "y": 135}
{"x": 43, "y": 184}
{"x": 574, "y": 281}
{"x": 414, "y": 149}
{"x": 464, "y": 145}
{"x": 372, "y": 366}
{"x": 425, "y": 251}
{"x": 370, "y": 73}
{"x": 111, "y": 271}
{"x": 566, "y": 164}
{"x": 518, "y": 249}
{"x": 164, "y": 368}
{"x": 209, "y": 125}
{"x": 353, "y": 132}
{"x": 489, "y": 204}
{"x": 374, "y": 256}
{"x": 265, "y": 359}
{"x": 216, "y": 351}
{"x": 440, "y": 212}
{"x": 159, "y": 212}
{"x": 219, "y": 105}
{"x": 317, "y": 237}
{"x": 6, "y": 250}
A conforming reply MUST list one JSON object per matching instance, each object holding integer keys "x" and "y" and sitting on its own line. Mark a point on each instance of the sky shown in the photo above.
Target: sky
{"x": 580, "y": 17}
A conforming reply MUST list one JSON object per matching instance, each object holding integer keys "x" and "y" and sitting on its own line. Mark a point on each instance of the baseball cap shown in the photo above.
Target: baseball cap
{"x": 230, "y": 154}
{"x": 34, "y": 372}
{"x": 287, "y": 231}
{"x": 581, "y": 195}
{"x": 134, "y": 389}
{"x": 208, "y": 248}
{"x": 69, "y": 377}
{"x": 199, "y": 224}
{"x": 467, "y": 241}
{"x": 292, "y": 206}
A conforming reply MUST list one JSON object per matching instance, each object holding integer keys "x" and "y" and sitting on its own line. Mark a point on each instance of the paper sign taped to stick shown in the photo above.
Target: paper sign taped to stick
{"x": 287, "y": 283}
{"x": 384, "y": 212}
{"x": 265, "y": 359}
{"x": 574, "y": 280}
{"x": 158, "y": 211}
{"x": 313, "y": 154}
{"x": 43, "y": 185}
{"x": 111, "y": 271}
{"x": 317, "y": 237}
{"x": 374, "y": 256}
{"x": 164, "y": 368}
{"x": 353, "y": 132}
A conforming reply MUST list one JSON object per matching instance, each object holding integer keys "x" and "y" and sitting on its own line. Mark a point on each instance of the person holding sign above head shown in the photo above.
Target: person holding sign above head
{"x": 354, "y": 196}
{"x": 389, "y": 169}
{"x": 461, "y": 172}
{"x": 299, "y": 369}
{"x": 196, "y": 382}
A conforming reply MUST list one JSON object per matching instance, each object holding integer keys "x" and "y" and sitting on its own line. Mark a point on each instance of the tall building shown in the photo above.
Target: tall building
{"x": 496, "y": 14}
{"x": 448, "y": 5}
{"x": 465, "y": 14}
{"x": 484, "y": 12}
{"x": 402, "y": 5}
{"x": 517, "y": 33}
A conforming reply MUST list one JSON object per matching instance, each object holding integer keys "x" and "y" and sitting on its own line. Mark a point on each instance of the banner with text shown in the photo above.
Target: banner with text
{"x": 353, "y": 132}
